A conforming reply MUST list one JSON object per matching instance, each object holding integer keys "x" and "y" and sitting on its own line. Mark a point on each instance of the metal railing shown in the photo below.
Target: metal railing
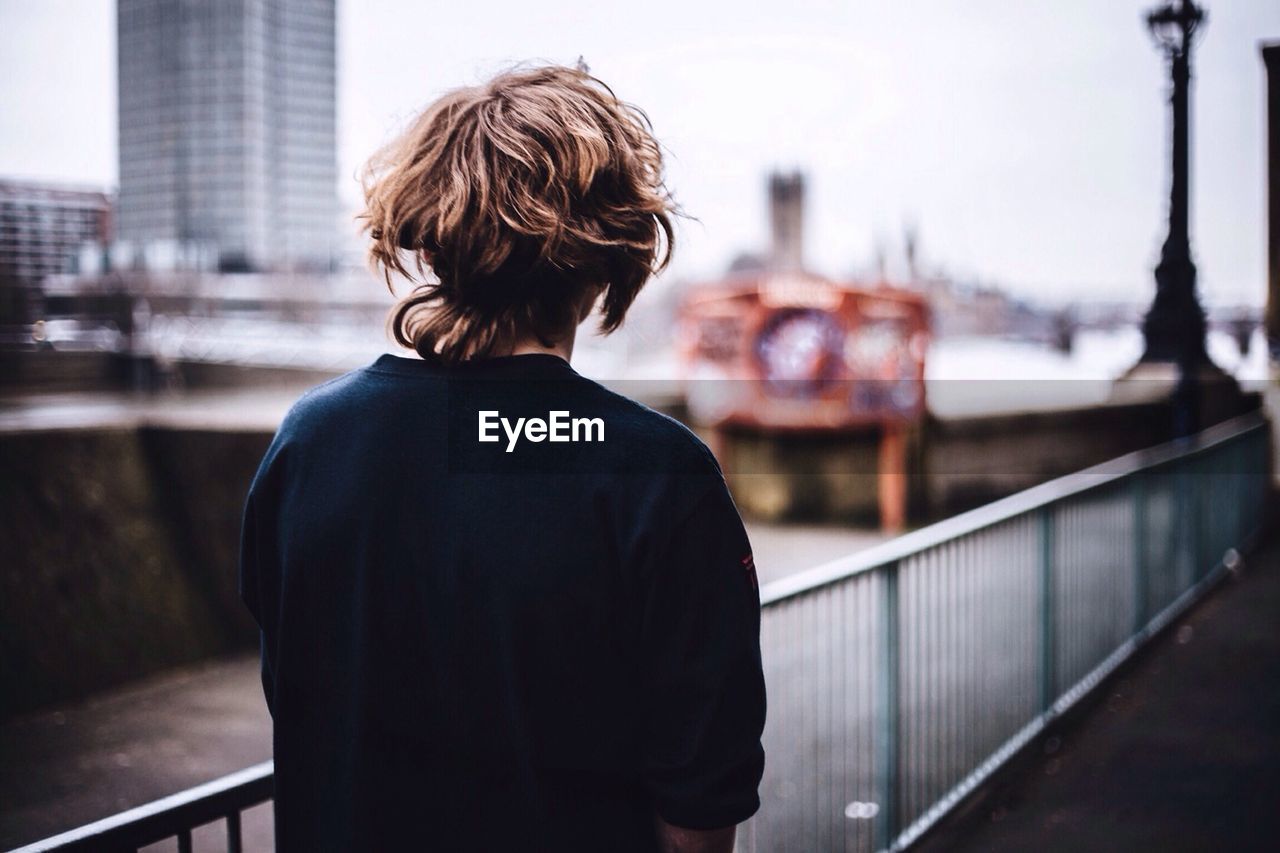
{"x": 171, "y": 817}
{"x": 901, "y": 677}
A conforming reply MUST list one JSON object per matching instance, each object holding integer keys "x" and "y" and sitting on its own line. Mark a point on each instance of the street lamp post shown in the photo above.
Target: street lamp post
{"x": 1174, "y": 328}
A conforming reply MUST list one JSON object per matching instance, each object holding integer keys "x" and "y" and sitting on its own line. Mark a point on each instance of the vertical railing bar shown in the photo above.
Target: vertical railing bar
{"x": 868, "y": 602}
{"x": 795, "y": 702}
{"x": 184, "y": 841}
{"x": 1197, "y": 537}
{"x": 1006, "y": 682}
{"x": 840, "y": 722}
{"x": 1239, "y": 478}
{"x": 938, "y": 720}
{"x": 907, "y": 696}
{"x": 1213, "y": 489}
{"x": 962, "y": 732}
{"x": 1063, "y": 573}
{"x": 1198, "y": 478}
{"x": 1186, "y": 535}
{"x": 945, "y": 669}
{"x": 1141, "y": 579}
{"x": 1000, "y": 683}
{"x": 234, "y": 841}
{"x": 1031, "y": 640}
{"x": 929, "y": 678}
{"x": 814, "y": 658}
{"x": 1026, "y": 578}
{"x": 1029, "y": 682}
{"x": 917, "y": 688}
{"x": 943, "y": 704}
{"x": 887, "y": 723}
{"x": 1047, "y": 627}
{"x": 809, "y": 770}
{"x": 800, "y": 683}
{"x": 968, "y": 726}
{"x": 1064, "y": 588}
{"x": 835, "y": 810}
{"x": 948, "y": 608}
{"x": 924, "y": 568}
{"x": 819, "y": 782}
{"x": 988, "y": 556}
{"x": 972, "y": 720}
{"x": 847, "y": 786}
{"x": 956, "y": 662}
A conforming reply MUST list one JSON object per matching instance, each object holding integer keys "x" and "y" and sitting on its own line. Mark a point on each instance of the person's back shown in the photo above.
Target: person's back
{"x": 507, "y": 650}
{"x": 502, "y": 607}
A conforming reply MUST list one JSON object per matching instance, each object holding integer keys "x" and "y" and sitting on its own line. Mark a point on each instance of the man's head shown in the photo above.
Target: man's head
{"x": 526, "y": 197}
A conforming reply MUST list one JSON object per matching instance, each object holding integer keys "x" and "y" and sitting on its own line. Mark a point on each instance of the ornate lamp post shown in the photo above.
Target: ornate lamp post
{"x": 1174, "y": 327}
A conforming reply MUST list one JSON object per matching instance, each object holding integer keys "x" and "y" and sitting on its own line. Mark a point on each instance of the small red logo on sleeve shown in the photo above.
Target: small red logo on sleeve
{"x": 749, "y": 564}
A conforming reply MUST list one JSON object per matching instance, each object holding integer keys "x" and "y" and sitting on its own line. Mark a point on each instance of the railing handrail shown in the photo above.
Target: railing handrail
{"x": 167, "y": 817}
{"x": 1096, "y": 477}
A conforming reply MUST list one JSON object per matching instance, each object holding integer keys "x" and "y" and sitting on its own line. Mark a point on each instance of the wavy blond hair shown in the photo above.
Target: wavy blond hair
{"x": 511, "y": 204}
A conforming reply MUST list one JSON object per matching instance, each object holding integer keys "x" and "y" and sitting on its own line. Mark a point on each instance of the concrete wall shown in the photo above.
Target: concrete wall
{"x": 118, "y": 551}
{"x": 971, "y": 461}
{"x": 952, "y": 465}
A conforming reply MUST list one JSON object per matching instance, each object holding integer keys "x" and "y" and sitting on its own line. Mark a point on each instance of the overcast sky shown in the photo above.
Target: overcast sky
{"x": 1027, "y": 140}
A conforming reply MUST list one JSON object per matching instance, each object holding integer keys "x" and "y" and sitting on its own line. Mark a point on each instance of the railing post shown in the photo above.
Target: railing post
{"x": 1199, "y": 476}
{"x": 235, "y": 840}
{"x": 1048, "y": 629}
{"x": 1191, "y": 518}
{"x": 1141, "y": 580}
{"x": 887, "y": 708}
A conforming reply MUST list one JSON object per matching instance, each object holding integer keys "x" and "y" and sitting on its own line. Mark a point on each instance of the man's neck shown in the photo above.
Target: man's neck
{"x": 562, "y": 346}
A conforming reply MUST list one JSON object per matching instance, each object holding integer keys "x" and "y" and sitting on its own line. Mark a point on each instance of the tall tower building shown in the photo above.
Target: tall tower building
{"x": 786, "y": 221}
{"x": 227, "y": 113}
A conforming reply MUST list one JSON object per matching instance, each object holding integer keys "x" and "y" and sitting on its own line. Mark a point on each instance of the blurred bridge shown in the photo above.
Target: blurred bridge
{"x": 901, "y": 679}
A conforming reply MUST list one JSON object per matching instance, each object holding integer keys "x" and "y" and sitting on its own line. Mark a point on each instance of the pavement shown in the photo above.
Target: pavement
{"x": 1181, "y": 752}
{"x": 66, "y": 766}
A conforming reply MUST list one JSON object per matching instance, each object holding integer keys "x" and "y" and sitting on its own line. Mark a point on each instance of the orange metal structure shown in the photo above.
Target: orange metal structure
{"x": 795, "y": 351}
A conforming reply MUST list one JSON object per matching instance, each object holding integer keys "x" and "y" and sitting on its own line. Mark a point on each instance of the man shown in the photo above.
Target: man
{"x": 502, "y": 607}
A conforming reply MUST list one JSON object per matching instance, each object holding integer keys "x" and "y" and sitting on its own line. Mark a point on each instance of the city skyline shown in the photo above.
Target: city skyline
{"x": 1028, "y": 146}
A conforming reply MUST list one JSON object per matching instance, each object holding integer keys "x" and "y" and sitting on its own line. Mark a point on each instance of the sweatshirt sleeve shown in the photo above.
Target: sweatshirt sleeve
{"x": 259, "y": 557}
{"x": 704, "y": 687}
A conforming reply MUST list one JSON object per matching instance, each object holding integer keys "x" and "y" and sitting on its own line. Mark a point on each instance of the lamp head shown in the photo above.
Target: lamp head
{"x": 1174, "y": 25}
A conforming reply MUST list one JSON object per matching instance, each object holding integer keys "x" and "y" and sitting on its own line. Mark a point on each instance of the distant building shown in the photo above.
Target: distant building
{"x": 227, "y": 115}
{"x": 43, "y": 230}
{"x": 786, "y": 221}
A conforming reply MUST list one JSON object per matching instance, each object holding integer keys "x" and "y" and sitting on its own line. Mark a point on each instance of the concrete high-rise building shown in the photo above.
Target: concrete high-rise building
{"x": 227, "y": 114}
